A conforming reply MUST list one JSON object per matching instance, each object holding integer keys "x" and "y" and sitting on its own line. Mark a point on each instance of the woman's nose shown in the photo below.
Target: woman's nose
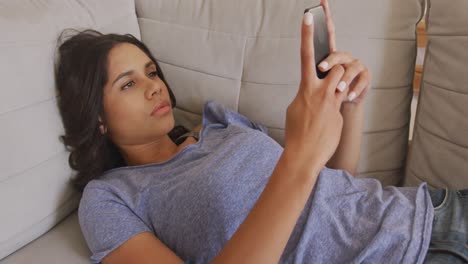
{"x": 153, "y": 89}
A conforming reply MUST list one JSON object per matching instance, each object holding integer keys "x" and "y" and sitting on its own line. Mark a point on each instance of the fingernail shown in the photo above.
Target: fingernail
{"x": 308, "y": 18}
{"x": 342, "y": 86}
{"x": 351, "y": 96}
{"x": 323, "y": 65}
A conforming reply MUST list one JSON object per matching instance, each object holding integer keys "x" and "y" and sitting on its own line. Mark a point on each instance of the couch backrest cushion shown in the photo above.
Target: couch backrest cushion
{"x": 35, "y": 192}
{"x": 439, "y": 151}
{"x": 245, "y": 54}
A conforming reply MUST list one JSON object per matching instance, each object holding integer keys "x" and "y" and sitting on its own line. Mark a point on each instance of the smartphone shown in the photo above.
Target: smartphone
{"x": 321, "y": 44}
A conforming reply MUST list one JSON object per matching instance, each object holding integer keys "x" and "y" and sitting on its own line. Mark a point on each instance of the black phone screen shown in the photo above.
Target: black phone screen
{"x": 321, "y": 44}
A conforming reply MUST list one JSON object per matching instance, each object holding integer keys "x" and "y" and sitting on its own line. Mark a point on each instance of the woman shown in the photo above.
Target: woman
{"x": 232, "y": 195}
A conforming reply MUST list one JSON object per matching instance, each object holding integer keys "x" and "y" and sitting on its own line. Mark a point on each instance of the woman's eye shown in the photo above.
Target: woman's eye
{"x": 128, "y": 85}
{"x": 154, "y": 73}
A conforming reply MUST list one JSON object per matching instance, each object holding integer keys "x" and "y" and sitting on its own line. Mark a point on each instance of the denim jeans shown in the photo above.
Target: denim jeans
{"x": 449, "y": 240}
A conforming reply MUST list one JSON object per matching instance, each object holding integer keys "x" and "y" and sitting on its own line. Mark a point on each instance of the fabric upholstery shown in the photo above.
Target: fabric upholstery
{"x": 62, "y": 244}
{"x": 439, "y": 151}
{"x": 35, "y": 193}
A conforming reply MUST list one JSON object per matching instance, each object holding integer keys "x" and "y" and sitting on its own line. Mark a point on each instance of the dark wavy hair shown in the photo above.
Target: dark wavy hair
{"x": 80, "y": 76}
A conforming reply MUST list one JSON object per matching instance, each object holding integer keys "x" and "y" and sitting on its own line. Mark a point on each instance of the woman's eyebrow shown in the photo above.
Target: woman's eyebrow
{"x": 149, "y": 63}
{"x": 123, "y": 74}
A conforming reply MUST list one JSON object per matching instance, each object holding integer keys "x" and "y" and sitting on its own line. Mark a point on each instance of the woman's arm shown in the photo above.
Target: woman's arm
{"x": 356, "y": 80}
{"x": 346, "y": 156}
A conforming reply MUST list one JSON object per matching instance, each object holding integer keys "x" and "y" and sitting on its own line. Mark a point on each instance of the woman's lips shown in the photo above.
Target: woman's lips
{"x": 162, "y": 109}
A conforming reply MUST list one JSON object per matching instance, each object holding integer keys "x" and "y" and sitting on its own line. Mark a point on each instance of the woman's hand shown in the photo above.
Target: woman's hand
{"x": 313, "y": 119}
{"x": 357, "y": 76}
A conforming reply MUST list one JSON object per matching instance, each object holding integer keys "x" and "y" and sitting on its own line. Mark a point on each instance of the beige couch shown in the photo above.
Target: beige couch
{"x": 244, "y": 54}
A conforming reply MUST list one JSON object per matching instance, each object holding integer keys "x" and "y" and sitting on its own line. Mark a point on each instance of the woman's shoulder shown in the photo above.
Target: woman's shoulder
{"x": 99, "y": 194}
{"x": 102, "y": 188}
{"x": 95, "y": 190}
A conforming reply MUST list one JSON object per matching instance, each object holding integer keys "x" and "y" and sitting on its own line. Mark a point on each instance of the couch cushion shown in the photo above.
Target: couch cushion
{"x": 35, "y": 193}
{"x": 62, "y": 244}
{"x": 245, "y": 54}
{"x": 439, "y": 151}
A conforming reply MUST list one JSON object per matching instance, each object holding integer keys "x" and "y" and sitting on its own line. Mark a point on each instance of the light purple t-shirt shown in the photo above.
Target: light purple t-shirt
{"x": 195, "y": 201}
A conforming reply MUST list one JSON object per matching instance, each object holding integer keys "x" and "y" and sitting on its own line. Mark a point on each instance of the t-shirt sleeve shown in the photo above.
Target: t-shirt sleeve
{"x": 106, "y": 222}
{"x": 215, "y": 112}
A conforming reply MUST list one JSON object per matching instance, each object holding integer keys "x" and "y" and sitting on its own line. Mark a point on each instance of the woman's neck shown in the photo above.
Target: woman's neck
{"x": 153, "y": 152}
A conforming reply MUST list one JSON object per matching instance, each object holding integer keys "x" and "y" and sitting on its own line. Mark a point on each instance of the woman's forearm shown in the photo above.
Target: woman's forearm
{"x": 263, "y": 235}
{"x": 346, "y": 156}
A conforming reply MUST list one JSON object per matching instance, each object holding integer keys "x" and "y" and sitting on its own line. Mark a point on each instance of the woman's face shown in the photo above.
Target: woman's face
{"x": 130, "y": 96}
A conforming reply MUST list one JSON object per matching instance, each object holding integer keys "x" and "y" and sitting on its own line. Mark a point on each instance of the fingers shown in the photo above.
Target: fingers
{"x": 361, "y": 84}
{"x": 352, "y": 70}
{"x": 334, "y": 59}
{"x": 330, "y": 25}
{"x": 340, "y": 98}
{"x": 334, "y": 77}
{"x": 355, "y": 71}
{"x": 308, "y": 73}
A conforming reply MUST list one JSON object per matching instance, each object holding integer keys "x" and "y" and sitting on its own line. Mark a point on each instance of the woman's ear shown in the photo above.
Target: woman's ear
{"x": 102, "y": 127}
